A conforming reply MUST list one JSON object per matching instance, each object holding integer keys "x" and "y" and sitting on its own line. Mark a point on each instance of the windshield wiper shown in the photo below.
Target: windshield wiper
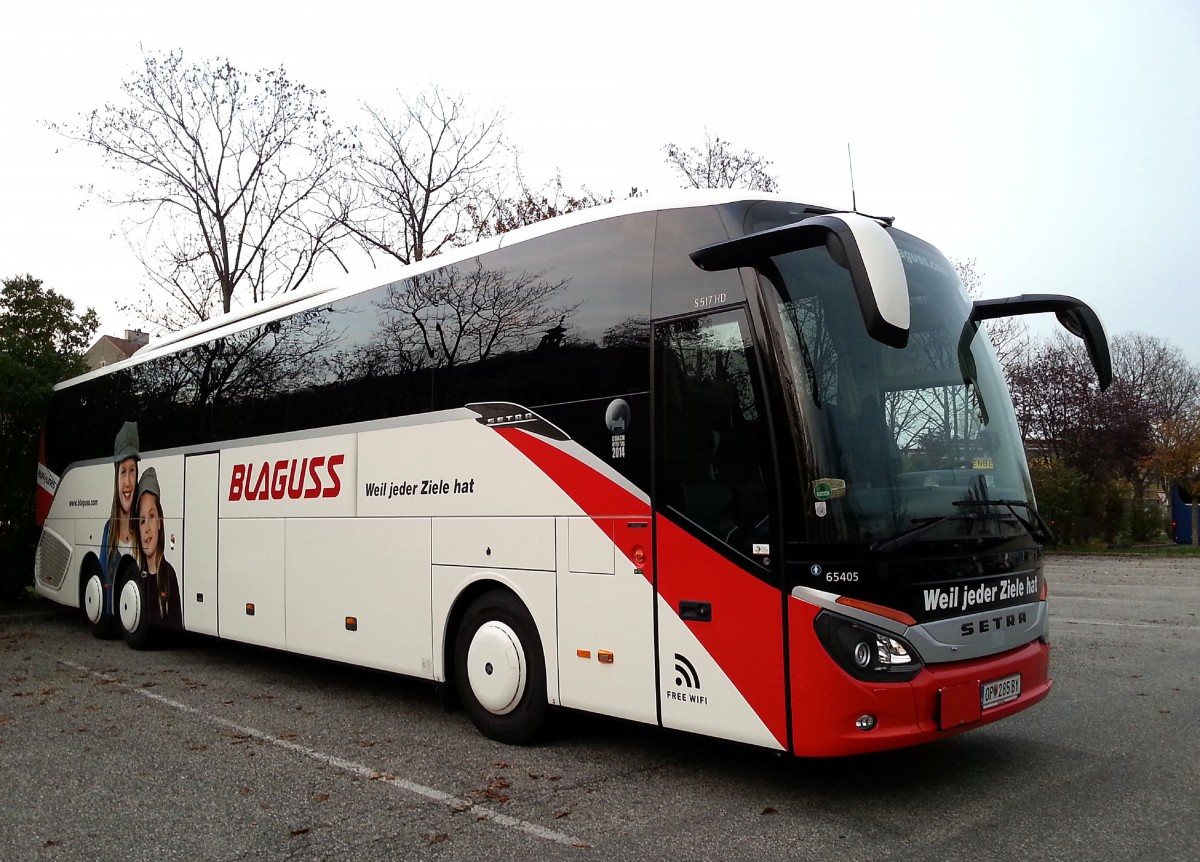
{"x": 910, "y": 535}
{"x": 1038, "y": 528}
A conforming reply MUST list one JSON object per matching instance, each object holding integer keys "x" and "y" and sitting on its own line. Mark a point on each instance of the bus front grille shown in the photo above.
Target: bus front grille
{"x": 53, "y": 556}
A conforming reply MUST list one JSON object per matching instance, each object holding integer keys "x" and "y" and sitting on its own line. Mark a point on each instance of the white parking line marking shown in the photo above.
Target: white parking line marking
{"x": 1070, "y": 621}
{"x": 455, "y": 802}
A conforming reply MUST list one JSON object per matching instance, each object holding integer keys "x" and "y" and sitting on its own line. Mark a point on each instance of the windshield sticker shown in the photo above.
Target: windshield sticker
{"x": 983, "y": 464}
{"x": 921, "y": 260}
{"x": 829, "y": 489}
{"x": 821, "y": 508}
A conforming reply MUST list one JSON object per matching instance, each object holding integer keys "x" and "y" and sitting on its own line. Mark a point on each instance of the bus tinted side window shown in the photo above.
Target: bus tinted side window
{"x": 79, "y": 424}
{"x": 559, "y": 318}
{"x": 164, "y": 398}
{"x": 559, "y": 322}
{"x": 681, "y": 287}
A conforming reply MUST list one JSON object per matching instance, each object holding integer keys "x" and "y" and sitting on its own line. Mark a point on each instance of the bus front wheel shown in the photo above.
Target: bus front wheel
{"x": 92, "y": 602}
{"x": 499, "y": 668}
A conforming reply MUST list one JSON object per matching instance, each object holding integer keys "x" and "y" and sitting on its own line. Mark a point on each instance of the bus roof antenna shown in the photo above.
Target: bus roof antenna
{"x": 888, "y": 220}
{"x": 853, "y": 197}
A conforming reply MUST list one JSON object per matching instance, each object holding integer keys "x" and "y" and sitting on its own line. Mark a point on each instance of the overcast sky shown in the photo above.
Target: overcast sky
{"x": 1055, "y": 143}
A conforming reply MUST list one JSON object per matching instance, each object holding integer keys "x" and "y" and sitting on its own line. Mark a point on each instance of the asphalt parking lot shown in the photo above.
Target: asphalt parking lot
{"x": 207, "y": 750}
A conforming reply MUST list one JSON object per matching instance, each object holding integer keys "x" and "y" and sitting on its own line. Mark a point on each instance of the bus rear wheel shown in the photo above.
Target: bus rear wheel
{"x": 499, "y": 668}
{"x": 93, "y": 604}
{"x": 132, "y": 610}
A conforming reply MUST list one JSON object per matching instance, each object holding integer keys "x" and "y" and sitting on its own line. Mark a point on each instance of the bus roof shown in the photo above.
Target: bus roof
{"x": 391, "y": 271}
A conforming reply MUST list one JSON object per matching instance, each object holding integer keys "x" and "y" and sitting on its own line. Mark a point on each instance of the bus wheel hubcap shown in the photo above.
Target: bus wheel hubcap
{"x": 93, "y": 599}
{"x": 496, "y": 667}
{"x": 131, "y": 606}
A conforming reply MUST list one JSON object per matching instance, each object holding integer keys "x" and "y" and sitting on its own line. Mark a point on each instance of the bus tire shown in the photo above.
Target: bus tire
{"x": 92, "y": 602}
{"x": 132, "y": 611}
{"x": 499, "y": 668}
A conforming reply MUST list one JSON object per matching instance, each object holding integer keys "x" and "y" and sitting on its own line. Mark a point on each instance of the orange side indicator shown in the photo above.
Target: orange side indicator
{"x": 351, "y": 624}
{"x": 583, "y": 653}
{"x": 249, "y": 609}
{"x": 604, "y": 656}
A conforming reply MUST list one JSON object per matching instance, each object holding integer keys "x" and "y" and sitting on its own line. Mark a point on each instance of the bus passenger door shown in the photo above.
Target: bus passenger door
{"x": 720, "y": 612}
{"x": 199, "y": 579}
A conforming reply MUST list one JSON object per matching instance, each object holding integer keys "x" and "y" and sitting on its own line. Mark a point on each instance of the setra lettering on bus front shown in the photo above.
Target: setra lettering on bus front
{"x": 995, "y": 623}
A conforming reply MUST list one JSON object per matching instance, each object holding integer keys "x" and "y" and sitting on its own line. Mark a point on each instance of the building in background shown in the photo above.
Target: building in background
{"x": 109, "y": 349}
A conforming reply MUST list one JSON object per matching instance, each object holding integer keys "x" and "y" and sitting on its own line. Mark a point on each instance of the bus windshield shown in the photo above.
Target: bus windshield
{"x": 896, "y": 440}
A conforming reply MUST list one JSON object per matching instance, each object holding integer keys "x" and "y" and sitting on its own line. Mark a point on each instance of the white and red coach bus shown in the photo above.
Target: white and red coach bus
{"x": 724, "y": 463}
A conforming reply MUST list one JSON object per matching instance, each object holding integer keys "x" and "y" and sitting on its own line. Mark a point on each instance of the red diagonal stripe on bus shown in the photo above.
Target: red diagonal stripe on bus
{"x": 748, "y": 641}
{"x": 593, "y": 492}
{"x": 750, "y": 651}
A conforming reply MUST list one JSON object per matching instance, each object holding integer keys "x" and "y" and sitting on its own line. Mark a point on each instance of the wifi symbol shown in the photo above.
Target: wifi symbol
{"x": 686, "y": 673}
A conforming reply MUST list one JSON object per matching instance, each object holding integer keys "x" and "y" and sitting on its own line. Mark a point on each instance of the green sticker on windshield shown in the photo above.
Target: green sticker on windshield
{"x": 829, "y": 489}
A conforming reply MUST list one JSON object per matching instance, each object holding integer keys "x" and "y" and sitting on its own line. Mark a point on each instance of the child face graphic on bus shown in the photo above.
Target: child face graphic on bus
{"x": 125, "y": 480}
{"x": 126, "y": 484}
{"x": 162, "y": 584}
{"x": 150, "y": 530}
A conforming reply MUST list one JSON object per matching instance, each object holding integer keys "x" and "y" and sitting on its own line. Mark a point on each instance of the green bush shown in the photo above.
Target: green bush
{"x": 41, "y": 342}
{"x": 1112, "y": 509}
{"x": 1147, "y": 521}
{"x": 1061, "y": 500}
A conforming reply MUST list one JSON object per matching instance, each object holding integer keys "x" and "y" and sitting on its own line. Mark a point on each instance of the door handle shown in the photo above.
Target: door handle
{"x": 700, "y": 612}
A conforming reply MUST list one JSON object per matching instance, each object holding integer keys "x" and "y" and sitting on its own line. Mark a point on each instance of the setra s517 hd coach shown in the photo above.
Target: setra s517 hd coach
{"x": 724, "y": 463}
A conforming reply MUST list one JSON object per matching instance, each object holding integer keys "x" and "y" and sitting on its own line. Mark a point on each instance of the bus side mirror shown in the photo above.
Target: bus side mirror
{"x": 1076, "y": 316}
{"x": 857, "y": 243}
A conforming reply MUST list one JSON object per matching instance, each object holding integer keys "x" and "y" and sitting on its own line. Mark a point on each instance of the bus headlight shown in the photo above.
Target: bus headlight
{"x": 865, "y": 652}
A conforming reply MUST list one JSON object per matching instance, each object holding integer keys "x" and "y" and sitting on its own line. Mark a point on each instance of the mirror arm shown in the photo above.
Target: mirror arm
{"x": 1076, "y": 316}
{"x": 858, "y": 243}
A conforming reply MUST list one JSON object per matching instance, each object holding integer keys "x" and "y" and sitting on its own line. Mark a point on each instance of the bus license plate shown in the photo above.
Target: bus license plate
{"x": 999, "y": 691}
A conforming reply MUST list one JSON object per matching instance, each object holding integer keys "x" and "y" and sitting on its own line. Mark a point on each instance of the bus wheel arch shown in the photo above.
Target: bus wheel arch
{"x": 499, "y": 670}
{"x": 458, "y": 609}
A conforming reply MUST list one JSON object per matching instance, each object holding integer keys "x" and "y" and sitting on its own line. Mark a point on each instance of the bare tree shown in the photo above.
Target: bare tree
{"x": 1052, "y": 388}
{"x": 419, "y": 177}
{"x": 1009, "y": 335}
{"x": 1177, "y": 457}
{"x": 1160, "y": 372}
{"x": 1138, "y": 431}
{"x": 716, "y": 165}
{"x": 466, "y": 313}
{"x": 229, "y": 178}
{"x": 531, "y": 205}
{"x": 1162, "y": 386}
